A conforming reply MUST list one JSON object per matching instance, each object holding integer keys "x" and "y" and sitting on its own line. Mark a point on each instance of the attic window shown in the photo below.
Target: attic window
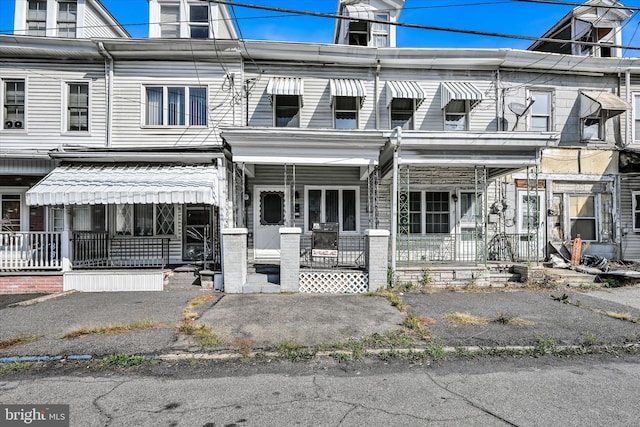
{"x": 359, "y": 33}
{"x": 67, "y": 12}
{"x": 199, "y": 21}
{"x": 37, "y": 18}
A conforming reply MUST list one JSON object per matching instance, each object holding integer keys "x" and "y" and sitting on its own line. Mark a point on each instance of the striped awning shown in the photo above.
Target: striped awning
{"x": 359, "y": 11}
{"x": 126, "y": 184}
{"x": 348, "y": 87}
{"x": 405, "y": 89}
{"x": 285, "y": 86}
{"x": 459, "y": 91}
{"x": 593, "y": 103}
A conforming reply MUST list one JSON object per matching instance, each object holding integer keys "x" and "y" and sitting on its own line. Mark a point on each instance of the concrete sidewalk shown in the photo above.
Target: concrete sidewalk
{"x": 310, "y": 320}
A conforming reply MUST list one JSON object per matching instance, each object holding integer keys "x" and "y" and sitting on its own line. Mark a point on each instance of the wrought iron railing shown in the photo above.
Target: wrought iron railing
{"x": 351, "y": 254}
{"x": 464, "y": 248}
{"x": 99, "y": 250}
{"x": 30, "y": 250}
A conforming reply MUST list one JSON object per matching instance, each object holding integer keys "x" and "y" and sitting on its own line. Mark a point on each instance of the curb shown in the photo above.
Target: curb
{"x": 43, "y": 298}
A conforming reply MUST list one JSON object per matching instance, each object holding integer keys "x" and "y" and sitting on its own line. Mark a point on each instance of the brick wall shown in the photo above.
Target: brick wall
{"x": 30, "y": 284}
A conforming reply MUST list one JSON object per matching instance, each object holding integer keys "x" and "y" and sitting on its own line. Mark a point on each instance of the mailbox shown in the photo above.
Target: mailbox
{"x": 324, "y": 239}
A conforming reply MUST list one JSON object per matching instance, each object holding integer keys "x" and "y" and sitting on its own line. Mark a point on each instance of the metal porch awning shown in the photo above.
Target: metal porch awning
{"x": 405, "y": 89}
{"x": 126, "y": 184}
{"x": 593, "y": 103}
{"x": 285, "y": 86}
{"x": 348, "y": 87}
{"x": 359, "y": 11}
{"x": 460, "y": 91}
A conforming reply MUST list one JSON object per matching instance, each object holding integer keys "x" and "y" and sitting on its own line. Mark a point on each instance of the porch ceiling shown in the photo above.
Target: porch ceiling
{"x": 126, "y": 184}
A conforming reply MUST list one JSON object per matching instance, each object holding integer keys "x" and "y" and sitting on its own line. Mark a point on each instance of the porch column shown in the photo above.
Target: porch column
{"x": 290, "y": 259}
{"x": 377, "y": 258}
{"x": 234, "y": 259}
{"x": 65, "y": 240}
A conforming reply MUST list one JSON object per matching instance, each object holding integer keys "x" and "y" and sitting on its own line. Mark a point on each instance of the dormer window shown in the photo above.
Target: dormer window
{"x": 37, "y": 18}
{"x": 359, "y": 33}
{"x": 169, "y": 21}
{"x": 199, "y": 21}
{"x": 379, "y": 31}
{"x": 67, "y": 12}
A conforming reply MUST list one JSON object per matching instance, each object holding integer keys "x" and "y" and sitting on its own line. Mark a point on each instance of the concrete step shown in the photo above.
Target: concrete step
{"x": 261, "y": 289}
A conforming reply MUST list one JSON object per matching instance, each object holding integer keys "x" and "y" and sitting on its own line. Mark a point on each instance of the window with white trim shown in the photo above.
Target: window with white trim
{"x": 429, "y": 212}
{"x": 87, "y": 218}
{"x": 541, "y": 113}
{"x": 345, "y": 112}
{"x": 582, "y": 216}
{"x": 592, "y": 128}
{"x": 145, "y": 220}
{"x": 169, "y": 21}
{"x": 67, "y": 16}
{"x": 199, "y": 21}
{"x": 379, "y": 31}
{"x": 636, "y": 118}
{"x": 37, "y": 18}
{"x": 456, "y": 115}
{"x": 10, "y": 205}
{"x": 635, "y": 200}
{"x": 588, "y": 215}
{"x": 358, "y": 33}
{"x": 333, "y": 204}
{"x": 175, "y": 106}
{"x": 77, "y": 107}
{"x": 401, "y": 113}
{"x": 286, "y": 110}
{"x": 13, "y": 103}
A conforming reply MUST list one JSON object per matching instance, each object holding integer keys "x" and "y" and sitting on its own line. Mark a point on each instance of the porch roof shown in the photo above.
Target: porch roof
{"x": 87, "y": 184}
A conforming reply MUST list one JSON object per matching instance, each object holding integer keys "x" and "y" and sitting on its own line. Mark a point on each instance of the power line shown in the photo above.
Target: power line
{"x": 568, "y": 3}
{"x": 415, "y": 26}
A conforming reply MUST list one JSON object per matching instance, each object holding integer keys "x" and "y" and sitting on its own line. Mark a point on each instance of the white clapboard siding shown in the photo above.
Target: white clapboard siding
{"x": 45, "y": 107}
{"x": 114, "y": 280}
{"x": 630, "y": 242}
{"x": 129, "y": 100}
{"x": 95, "y": 26}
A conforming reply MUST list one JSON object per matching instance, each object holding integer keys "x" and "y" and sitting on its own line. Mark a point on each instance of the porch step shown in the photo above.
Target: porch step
{"x": 266, "y": 288}
{"x": 563, "y": 276}
{"x": 180, "y": 279}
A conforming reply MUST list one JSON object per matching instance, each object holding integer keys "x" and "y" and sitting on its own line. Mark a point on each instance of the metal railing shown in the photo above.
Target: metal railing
{"x": 351, "y": 254}
{"x": 99, "y": 250}
{"x": 30, "y": 250}
{"x": 466, "y": 248}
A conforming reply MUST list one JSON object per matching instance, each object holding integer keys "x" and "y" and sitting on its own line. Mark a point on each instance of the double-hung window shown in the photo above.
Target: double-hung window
{"x": 456, "y": 115}
{"x": 175, "y": 106}
{"x": 78, "y": 107}
{"x": 67, "y": 12}
{"x": 582, "y": 216}
{"x": 380, "y": 31}
{"x": 37, "y": 18}
{"x": 287, "y": 110}
{"x": 199, "y": 21}
{"x": 346, "y": 112}
{"x": 429, "y": 212}
{"x": 636, "y": 118}
{"x": 401, "y": 111}
{"x": 145, "y": 220}
{"x": 13, "y": 103}
{"x": 541, "y": 114}
{"x": 326, "y": 204}
{"x": 635, "y": 200}
{"x": 358, "y": 33}
{"x": 169, "y": 21}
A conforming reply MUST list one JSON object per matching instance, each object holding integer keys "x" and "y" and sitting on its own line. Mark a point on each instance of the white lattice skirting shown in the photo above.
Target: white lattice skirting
{"x": 334, "y": 282}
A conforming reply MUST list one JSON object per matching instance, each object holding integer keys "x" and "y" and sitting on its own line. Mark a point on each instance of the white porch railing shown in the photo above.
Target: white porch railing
{"x": 30, "y": 250}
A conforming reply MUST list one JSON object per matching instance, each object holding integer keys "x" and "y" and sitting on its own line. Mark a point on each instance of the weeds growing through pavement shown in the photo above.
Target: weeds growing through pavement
{"x": 112, "y": 329}
{"x": 122, "y": 360}
{"x": 14, "y": 368}
{"x": 465, "y": 319}
{"x": 19, "y": 340}
{"x": 293, "y": 351}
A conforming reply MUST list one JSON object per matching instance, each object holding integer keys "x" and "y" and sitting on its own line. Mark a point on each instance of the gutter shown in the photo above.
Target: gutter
{"x": 108, "y": 75}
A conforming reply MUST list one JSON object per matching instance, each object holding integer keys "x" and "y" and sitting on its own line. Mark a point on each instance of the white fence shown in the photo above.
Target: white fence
{"x": 30, "y": 250}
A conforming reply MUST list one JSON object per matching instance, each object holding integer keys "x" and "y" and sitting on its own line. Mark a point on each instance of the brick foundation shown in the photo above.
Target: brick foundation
{"x": 30, "y": 284}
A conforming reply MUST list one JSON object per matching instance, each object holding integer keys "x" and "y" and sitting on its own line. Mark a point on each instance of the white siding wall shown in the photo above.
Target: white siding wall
{"x": 94, "y": 24}
{"x": 129, "y": 100}
{"x": 630, "y": 242}
{"x": 45, "y": 109}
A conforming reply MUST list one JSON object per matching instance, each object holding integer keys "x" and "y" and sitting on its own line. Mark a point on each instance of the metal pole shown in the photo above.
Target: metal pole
{"x": 394, "y": 200}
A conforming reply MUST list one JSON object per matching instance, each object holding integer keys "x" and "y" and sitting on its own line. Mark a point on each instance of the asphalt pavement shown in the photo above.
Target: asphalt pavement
{"x": 562, "y": 315}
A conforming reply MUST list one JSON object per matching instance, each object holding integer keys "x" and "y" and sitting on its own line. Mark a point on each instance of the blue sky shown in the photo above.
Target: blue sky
{"x": 501, "y": 16}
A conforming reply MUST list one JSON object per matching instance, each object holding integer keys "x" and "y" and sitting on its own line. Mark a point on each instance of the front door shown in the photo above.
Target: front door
{"x": 269, "y": 213}
{"x": 197, "y": 233}
{"x": 531, "y": 225}
{"x": 468, "y": 225}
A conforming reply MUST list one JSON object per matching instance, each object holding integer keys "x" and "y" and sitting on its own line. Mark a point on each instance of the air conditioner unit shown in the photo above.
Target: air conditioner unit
{"x": 17, "y": 124}
{"x": 8, "y": 124}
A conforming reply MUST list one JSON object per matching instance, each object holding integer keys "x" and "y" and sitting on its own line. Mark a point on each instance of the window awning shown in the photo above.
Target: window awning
{"x": 595, "y": 103}
{"x": 285, "y": 86}
{"x": 348, "y": 87}
{"x": 126, "y": 184}
{"x": 459, "y": 91}
{"x": 359, "y": 11}
{"x": 405, "y": 89}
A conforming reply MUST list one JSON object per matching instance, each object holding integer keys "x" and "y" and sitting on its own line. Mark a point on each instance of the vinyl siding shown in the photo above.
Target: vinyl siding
{"x": 95, "y": 26}
{"x": 630, "y": 242}
{"x": 45, "y": 108}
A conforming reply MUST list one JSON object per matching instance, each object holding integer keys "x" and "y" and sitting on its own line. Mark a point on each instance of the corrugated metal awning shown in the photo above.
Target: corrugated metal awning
{"x": 285, "y": 86}
{"x": 405, "y": 89}
{"x": 348, "y": 87}
{"x": 593, "y": 103}
{"x": 359, "y": 11}
{"x": 126, "y": 184}
{"x": 459, "y": 91}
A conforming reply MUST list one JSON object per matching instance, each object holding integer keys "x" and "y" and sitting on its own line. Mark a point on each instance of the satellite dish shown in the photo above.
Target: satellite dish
{"x": 517, "y": 108}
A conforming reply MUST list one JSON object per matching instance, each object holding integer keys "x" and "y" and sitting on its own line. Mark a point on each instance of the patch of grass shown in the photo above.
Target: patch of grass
{"x": 293, "y": 351}
{"x": 19, "y": 340}
{"x": 244, "y": 346}
{"x": 509, "y": 319}
{"x": 590, "y": 341}
{"x": 417, "y": 325}
{"x": 112, "y": 329}
{"x": 465, "y": 319}
{"x": 615, "y": 315}
{"x": 394, "y": 299}
{"x": 14, "y": 368}
{"x": 201, "y": 299}
{"x": 342, "y": 357}
{"x": 205, "y": 336}
{"x": 122, "y": 360}
{"x": 544, "y": 346}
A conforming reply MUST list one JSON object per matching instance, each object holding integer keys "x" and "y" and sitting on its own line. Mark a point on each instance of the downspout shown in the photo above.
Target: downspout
{"x": 108, "y": 74}
{"x": 394, "y": 200}
{"x": 376, "y": 95}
